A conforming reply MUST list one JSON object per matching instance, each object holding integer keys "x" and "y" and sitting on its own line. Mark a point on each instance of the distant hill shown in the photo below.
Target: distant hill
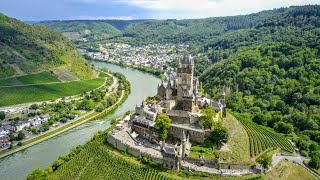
{"x": 90, "y": 30}
{"x": 28, "y": 49}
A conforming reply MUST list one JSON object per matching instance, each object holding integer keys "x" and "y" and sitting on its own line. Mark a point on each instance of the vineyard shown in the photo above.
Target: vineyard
{"x": 262, "y": 138}
{"x": 44, "y": 92}
{"x": 96, "y": 162}
{"x": 42, "y": 77}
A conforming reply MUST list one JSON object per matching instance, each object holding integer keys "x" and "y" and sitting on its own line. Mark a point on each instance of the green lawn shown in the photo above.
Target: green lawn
{"x": 44, "y": 92}
{"x": 42, "y": 77}
{"x": 238, "y": 147}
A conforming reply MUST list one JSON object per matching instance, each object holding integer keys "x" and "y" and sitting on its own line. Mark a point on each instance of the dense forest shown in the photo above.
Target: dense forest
{"x": 272, "y": 74}
{"x": 27, "y": 49}
{"x": 269, "y": 62}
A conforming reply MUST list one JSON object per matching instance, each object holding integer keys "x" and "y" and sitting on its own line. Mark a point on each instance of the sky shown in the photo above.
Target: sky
{"x": 36, "y": 10}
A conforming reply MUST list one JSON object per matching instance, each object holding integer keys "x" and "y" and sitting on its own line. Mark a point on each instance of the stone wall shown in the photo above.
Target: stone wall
{"x": 234, "y": 166}
{"x": 132, "y": 150}
{"x": 212, "y": 163}
{"x": 176, "y": 132}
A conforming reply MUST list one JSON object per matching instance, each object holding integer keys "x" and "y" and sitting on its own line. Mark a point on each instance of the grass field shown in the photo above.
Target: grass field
{"x": 44, "y": 92}
{"x": 238, "y": 142}
{"x": 42, "y": 77}
{"x": 286, "y": 170}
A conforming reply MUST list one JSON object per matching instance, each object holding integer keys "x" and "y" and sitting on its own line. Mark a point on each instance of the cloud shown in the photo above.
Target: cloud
{"x": 206, "y": 8}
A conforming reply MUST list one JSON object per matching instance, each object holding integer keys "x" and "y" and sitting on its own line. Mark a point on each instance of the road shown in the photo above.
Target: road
{"x": 297, "y": 159}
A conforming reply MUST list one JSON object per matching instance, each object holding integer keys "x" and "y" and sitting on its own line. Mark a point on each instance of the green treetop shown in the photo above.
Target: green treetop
{"x": 162, "y": 125}
{"x": 207, "y": 117}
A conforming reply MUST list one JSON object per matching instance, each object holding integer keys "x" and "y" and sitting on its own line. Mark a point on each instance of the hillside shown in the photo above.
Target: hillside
{"x": 26, "y": 49}
{"x": 272, "y": 74}
{"x": 154, "y": 31}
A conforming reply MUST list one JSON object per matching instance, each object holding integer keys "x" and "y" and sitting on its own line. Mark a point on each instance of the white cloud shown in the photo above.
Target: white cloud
{"x": 207, "y": 8}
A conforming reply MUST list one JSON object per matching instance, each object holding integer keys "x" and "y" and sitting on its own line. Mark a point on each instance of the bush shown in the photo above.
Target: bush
{"x": 304, "y": 153}
{"x": 34, "y": 106}
{"x": 145, "y": 160}
{"x": 19, "y": 143}
{"x": 219, "y": 135}
{"x": 38, "y": 174}
{"x": 114, "y": 121}
{"x": 315, "y": 160}
{"x": 265, "y": 161}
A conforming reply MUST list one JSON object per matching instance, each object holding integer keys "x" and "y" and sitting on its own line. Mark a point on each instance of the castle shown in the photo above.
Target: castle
{"x": 181, "y": 100}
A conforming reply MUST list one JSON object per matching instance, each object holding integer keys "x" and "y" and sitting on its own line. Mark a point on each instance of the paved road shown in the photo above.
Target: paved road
{"x": 298, "y": 159}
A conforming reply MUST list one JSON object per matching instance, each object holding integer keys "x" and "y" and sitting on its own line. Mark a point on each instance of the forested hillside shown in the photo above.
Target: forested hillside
{"x": 27, "y": 49}
{"x": 269, "y": 62}
{"x": 272, "y": 73}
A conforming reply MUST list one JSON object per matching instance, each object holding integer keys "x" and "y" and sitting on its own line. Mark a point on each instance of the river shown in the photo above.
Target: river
{"x": 19, "y": 165}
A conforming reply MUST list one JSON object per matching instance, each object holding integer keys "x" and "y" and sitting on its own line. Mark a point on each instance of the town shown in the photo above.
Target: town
{"x": 151, "y": 55}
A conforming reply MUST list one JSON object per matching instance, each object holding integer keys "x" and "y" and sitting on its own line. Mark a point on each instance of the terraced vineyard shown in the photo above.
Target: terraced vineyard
{"x": 262, "y": 138}
{"x": 43, "y": 92}
{"x": 96, "y": 162}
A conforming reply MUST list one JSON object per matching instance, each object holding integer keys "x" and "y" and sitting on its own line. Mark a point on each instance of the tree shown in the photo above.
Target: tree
{"x": 38, "y": 174}
{"x": 283, "y": 127}
{"x": 45, "y": 126}
{"x": 163, "y": 123}
{"x": 315, "y": 160}
{"x": 265, "y": 161}
{"x": 219, "y": 135}
{"x": 34, "y": 106}
{"x": 2, "y": 115}
{"x": 20, "y": 136}
{"x": 207, "y": 117}
{"x": 114, "y": 121}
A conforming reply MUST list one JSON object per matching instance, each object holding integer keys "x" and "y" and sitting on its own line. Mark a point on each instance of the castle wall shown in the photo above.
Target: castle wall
{"x": 234, "y": 166}
{"x": 180, "y": 120}
{"x": 193, "y": 135}
{"x": 212, "y": 163}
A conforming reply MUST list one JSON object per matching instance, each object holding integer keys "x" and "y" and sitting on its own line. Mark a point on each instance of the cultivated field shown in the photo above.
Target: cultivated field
{"x": 43, "y": 92}
{"x": 262, "y": 138}
{"x": 42, "y": 77}
{"x": 95, "y": 161}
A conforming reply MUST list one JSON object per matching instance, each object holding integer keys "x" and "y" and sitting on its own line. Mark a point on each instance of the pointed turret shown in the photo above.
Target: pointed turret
{"x": 183, "y": 136}
{"x": 169, "y": 85}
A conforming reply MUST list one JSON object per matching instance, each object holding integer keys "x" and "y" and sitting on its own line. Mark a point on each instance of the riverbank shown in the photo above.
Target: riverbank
{"x": 89, "y": 117}
{"x": 155, "y": 72}
{"x": 44, "y": 154}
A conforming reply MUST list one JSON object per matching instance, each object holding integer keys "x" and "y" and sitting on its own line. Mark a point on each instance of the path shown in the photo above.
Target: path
{"x": 298, "y": 159}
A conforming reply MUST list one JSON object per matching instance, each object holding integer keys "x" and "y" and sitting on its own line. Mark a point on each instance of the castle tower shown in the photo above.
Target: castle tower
{"x": 183, "y": 144}
{"x": 143, "y": 104}
{"x": 185, "y": 76}
{"x": 168, "y": 90}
